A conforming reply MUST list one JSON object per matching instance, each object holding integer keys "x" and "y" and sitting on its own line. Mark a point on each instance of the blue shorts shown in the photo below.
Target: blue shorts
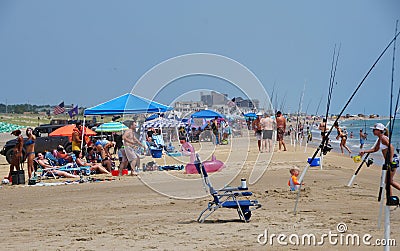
{"x": 362, "y": 142}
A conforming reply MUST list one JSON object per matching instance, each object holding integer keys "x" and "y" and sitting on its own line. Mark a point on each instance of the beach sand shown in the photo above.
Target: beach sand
{"x": 126, "y": 214}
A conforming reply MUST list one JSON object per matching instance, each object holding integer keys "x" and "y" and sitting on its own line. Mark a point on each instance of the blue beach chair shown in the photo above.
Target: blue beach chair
{"x": 228, "y": 197}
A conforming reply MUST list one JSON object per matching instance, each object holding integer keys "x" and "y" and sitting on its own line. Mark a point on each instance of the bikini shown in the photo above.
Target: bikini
{"x": 395, "y": 161}
{"x": 28, "y": 143}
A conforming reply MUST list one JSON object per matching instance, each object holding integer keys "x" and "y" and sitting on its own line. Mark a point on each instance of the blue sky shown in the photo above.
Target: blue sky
{"x": 86, "y": 52}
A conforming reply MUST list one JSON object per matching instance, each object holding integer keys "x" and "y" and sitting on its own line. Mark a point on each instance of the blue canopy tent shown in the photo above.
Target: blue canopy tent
{"x": 127, "y": 104}
{"x": 206, "y": 114}
{"x": 250, "y": 115}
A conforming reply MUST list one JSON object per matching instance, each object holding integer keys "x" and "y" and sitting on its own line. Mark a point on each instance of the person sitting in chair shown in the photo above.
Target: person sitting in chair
{"x": 94, "y": 167}
{"x": 44, "y": 163}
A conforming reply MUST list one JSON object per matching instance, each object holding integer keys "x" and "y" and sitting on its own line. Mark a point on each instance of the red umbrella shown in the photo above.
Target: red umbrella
{"x": 68, "y": 129}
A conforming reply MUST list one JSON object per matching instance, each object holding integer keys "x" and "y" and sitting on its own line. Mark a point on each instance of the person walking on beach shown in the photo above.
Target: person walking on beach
{"x": 281, "y": 128}
{"x": 215, "y": 130}
{"x": 343, "y": 138}
{"x": 128, "y": 153}
{"x": 30, "y": 150}
{"x": 363, "y": 137}
{"x": 381, "y": 132}
{"x": 17, "y": 152}
{"x": 257, "y": 129}
{"x": 267, "y": 126}
{"x": 322, "y": 128}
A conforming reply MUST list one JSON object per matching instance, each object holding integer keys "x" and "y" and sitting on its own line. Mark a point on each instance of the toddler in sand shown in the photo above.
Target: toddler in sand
{"x": 293, "y": 183}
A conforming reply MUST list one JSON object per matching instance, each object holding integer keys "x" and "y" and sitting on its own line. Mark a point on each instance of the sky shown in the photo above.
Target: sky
{"x": 87, "y": 52}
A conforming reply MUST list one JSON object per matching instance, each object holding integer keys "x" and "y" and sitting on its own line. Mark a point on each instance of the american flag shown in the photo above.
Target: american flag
{"x": 59, "y": 109}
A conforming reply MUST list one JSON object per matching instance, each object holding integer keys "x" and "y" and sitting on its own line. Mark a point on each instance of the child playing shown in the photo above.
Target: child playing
{"x": 293, "y": 183}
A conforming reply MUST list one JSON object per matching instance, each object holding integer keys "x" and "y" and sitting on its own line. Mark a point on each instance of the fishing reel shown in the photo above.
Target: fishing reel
{"x": 393, "y": 201}
{"x": 369, "y": 162}
{"x": 326, "y": 149}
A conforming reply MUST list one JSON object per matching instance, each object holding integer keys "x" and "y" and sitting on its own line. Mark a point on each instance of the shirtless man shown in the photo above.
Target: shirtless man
{"x": 128, "y": 153}
{"x": 257, "y": 129}
{"x": 281, "y": 128}
{"x": 17, "y": 152}
{"x": 322, "y": 128}
{"x": 267, "y": 126}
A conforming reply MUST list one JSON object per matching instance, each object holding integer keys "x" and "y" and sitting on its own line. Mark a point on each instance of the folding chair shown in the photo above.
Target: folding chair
{"x": 228, "y": 197}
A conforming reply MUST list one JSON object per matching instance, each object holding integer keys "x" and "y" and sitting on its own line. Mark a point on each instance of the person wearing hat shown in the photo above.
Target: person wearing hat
{"x": 258, "y": 129}
{"x": 17, "y": 152}
{"x": 380, "y": 131}
{"x": 293, "y": 183}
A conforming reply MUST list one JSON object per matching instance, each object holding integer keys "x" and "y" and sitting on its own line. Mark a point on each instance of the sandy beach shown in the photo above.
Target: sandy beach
{"x": 126, "y": 214}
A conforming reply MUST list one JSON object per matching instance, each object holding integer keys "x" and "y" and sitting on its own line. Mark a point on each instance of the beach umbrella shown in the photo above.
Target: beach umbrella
{"x": 68, "y": 129}
{"x": 250, "y": 115}
{"x": 111, "y": 127}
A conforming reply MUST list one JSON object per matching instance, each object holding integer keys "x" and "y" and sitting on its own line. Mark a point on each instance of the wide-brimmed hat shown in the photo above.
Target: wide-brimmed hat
{"x": 259, "y": 114}
{"x": 16, "y": 132}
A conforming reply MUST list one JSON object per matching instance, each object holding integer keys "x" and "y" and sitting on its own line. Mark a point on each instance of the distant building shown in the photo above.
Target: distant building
{"x": 214, "y": 98}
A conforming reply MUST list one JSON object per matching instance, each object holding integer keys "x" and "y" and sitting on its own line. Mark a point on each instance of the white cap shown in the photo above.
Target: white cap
{"x": 378, "y": 126}
{"x": 259, "y": 114}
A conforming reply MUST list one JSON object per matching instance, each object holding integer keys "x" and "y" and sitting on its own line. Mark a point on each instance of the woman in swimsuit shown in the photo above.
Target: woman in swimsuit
{"x": 30, "y": 150}
{"x": 380, "y": 131}
{"x": 94, "y": 167}
{"x": 343, "y": 137}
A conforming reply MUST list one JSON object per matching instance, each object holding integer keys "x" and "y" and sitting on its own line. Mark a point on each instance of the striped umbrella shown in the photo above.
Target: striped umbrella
{"x": 162, "y": 122}
{"x": 111, "y": 127}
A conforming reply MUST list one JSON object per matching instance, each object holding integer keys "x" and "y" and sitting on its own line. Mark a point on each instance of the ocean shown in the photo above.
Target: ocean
{"x": 354, "y": 143}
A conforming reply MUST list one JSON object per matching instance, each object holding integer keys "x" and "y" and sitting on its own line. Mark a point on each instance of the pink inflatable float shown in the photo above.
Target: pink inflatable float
{"x": 211, "y": 166}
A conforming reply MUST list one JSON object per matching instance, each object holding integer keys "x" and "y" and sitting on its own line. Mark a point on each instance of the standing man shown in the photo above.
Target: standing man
{"x": 257, "y": 129}
{"x": 17, "y": 152}
{"x": 267, "y": 126}
{"x": 215, "y": 129}
{"x": 322, "y": 128}
{"x": 281, "y": 128}
{"x": 77, "y": 137}
{"x": 128, "y": 152}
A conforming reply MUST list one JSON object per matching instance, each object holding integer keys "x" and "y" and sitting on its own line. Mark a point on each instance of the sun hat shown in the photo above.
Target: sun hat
{"x": 294, "y": 168}
{"x": 259, "y": 114}
{"x": 378, "y": 126}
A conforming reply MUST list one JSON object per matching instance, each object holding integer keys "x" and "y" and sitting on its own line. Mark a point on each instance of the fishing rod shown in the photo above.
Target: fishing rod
{"x": 326, "y": 148}
{"x": 297, "y": 119}
{"x": 390, "y": 200}
{"x": 330, "y": 89}
{"x": 324, "y": 139}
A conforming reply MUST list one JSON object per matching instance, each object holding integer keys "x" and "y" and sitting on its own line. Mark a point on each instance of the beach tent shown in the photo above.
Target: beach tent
{"x": 111, "y": 127}
{"x": 127, "y": 104}
{"x": 206, "y": 114}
